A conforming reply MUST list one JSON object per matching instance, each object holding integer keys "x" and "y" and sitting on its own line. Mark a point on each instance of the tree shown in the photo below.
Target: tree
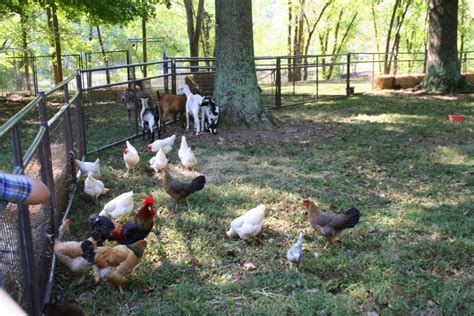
{"x": 442, "y": 69}
{"x": 235, "y": 87}
{"x": 194, "y": 31}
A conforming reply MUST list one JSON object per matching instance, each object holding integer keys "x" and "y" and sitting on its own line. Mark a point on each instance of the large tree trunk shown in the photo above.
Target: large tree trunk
{"x": 298, "y": 42}
{"x": 194, "y": 32}
{"x": 235, "y": 88}
{"x": 290, "y": 21}
{"x": 442, "y": 61}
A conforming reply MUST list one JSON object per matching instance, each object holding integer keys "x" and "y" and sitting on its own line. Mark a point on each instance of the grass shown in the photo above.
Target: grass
{"x": 395, "y": 157}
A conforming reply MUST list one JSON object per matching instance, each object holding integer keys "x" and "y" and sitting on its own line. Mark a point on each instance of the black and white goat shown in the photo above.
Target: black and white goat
{"x": 149, "y": 116}
{"x": 209, "y": 115}
{"x": 128, "y": 99}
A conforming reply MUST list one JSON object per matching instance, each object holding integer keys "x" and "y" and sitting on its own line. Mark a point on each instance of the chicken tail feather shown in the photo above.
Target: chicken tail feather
{"x": 353, "y": 217}
{"x": 198, "y": 183}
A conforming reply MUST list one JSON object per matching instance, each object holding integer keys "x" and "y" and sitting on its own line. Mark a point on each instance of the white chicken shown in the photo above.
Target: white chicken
{"x": 186, "y": 155}
{"x": 130, "y": 156}
{"x": 121, "y": 206}
{"x": 95, "y": 188}
{"x": 166, "y": 144}
{"x": 159, "y": 162}
{"x": 294, "y": 253}
{"x": 249, "y": 224}
{"x": 87, "y": 168}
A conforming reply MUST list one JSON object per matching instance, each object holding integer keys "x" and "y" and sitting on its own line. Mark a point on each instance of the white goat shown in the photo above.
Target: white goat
{"x": 193, "y": 102}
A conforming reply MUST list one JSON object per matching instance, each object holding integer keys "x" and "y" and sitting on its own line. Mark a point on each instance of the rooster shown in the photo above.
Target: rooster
{"x": 131, "y": 231}
{"x": 166, "y": 144}
{"x": 95, "y": 188}
{"x": 181, "y": 190}
{"x": 113, "y": 264}
{"x": 159, "y": 162}
{"x": 330, "y": 224}
{"x": 249, "y": 224}
{"x": 87, "y": 168}
{"x": 119, "y": 207}
{"x": 186, "y": 155}
{"x": 130, "y": 156}
{"x": 77, "y": 256}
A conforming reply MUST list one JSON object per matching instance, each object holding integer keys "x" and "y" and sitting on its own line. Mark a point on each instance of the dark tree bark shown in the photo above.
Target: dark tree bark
{"x": 55, "y": 41}
{"x": 235, "y": 88}
{"x": 104, "y": 56}
{"x": 194, "y": 32}
{"x": 442, "y": 73}
{"x": 26, "y": 59}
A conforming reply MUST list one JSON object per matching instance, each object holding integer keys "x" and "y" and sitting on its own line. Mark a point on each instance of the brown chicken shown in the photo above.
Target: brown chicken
{"x": 330, "y": 224}
{"x": 113, "y": 264}
{"x": 181, "y": 190}
{"x": 77, "y": 256}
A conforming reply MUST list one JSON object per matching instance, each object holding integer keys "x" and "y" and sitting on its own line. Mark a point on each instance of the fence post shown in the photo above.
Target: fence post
{"x": 317, "y": 78}
{"x": 173, "y": 76}
{"x": 278, "y": 83}
{"x": 348, "y": 79}
{"x": 31, "y": 293}
{"x": 80, "y": 117}
{"x": 46, "y": 160}
{"x": 67, "y": 122}
{"x": 165, "y": 72}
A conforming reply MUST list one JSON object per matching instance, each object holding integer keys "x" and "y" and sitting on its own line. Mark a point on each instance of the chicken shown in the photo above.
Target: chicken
{"x": 330, "y": 224}
{"x": 249, "y": 224}
{"x": 121, "y": 206}
{"x": 186, "y": 155}
{"x": 131, "y": 231}
{"x": 113, "y": 264}
{"x": 181, "y": 190}
{"x": 130, "y": 156}
{"x": 95, "y": 188}
{"x": 77, "y": 256}
{"x": 159, "y": 162}
{"x": 166, "y": 144}
{"x": 294, "y": 253}
{"x": 89, "y": 167}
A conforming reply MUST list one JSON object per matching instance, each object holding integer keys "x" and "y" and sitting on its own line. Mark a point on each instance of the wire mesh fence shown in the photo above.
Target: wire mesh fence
{"x": 40, "y": 144}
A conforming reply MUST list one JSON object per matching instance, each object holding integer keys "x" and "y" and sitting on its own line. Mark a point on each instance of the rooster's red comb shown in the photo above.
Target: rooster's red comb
{"x": 148, "y": 200}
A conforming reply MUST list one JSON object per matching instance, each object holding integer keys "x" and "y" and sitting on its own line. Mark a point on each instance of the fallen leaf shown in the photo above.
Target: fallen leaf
{"x": 195, "y": 262}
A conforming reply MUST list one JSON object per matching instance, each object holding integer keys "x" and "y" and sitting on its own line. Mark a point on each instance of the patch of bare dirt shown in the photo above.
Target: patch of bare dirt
{"x": 301, "y": 131}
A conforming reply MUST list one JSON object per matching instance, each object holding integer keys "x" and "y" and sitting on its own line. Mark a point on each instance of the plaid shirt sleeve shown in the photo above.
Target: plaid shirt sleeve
{"x": 14, "y": 188}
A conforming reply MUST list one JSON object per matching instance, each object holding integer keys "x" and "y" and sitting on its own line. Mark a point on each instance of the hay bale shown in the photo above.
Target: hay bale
{"x": 383, "y": 82}
{"x": 201, "y": 82}
{"x": 408, "y": 81}
{"x": 469, "y": 77}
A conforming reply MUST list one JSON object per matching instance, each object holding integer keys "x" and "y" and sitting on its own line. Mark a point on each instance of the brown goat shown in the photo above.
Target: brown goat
{"x": 170, "y": 103}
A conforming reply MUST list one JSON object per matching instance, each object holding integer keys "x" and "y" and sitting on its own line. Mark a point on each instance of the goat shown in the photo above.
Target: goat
{"x": 209, "y": 115}
{"x": 171, "y": 103}
{"x": 149, "y": 116}
{"x": 192, "y": 108}
{"x": 128, "y": 99}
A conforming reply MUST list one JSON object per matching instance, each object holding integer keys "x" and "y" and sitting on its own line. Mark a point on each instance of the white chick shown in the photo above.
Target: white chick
{"x": 249, "y": 224}
{"x": 130, "y": 156}
{"x": 95, "y": 188}
{"x": 121, "y": 206}
{"x": 166, "y": 144}
{"x": 89, "y": 167}
{"x": 294, "y": 253}
{"x": 159, "y": 162}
